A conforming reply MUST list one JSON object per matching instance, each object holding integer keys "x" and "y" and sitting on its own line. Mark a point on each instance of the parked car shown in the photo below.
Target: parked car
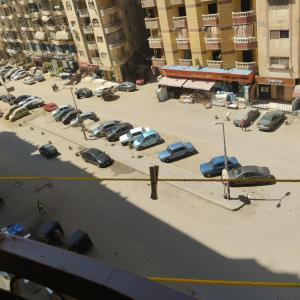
{"x": 39, "y": 77}
{"x": 48, "y": 150}
{"x": 147, "y": 139}
{"x": 133, "y": 134}
{"x": 115, "y": 133}
{"x": 58, "y": 116}
{"x": 70, "y": 116}
{"x": 20, "y": 75}
{"x": 249, "y": 116}
{"x": 216, "y": 165}
{"x": 107, "y": 86}
{"x": 35, "y": 103}
{"x": 7, "y": 98}
{"x": 50, "y": 106}
{"x": 29, "y": 80}
{"x": 18, "y": 99}
{"x": 127, "y": 86}
{"x": 96, "y": 157}
{"x": 175, "y": 151}
{"x": 79, "y": 242}
{"x": 18, "y": 114}
{"x": 83, "y": 117}
{"x": 262, "y": 174}
{"x": 10, "y": 111}
{"x": 54, "y": 112}
{"x": 15, "y": 72}
{"x": 270, "y": 120}
{"x": 21, "y": 103}
{"x": 83, "y": 93}
{"x": 1, "y": 113}
{"x": 10, "y": 72}
{"x": 104, "y": 128}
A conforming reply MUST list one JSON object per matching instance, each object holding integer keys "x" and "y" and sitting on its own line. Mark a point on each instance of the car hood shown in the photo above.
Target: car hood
{"x": 103, "y": 157}
{"x": 164, "y": 154}
{"x": 136, "y": 142}
{"x": 206, "y": 167}
{"x": 124, "y": 138}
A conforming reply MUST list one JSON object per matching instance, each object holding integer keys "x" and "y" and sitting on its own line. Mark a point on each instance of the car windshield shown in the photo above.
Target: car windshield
{"x": 237, "y": 172}
{"x": 169, "y": 150}
{"x": 140, "y": 138}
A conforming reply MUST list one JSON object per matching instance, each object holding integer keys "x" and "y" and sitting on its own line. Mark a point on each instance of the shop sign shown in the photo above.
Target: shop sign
{"x": 88, "y": 66}
{"x": 275, "y": 81}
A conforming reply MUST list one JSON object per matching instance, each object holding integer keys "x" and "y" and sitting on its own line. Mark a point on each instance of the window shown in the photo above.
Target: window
{"x": 103, "y": 55}
{"x": 282, "y": 61}
{"x": 279, "y": 34}
{"x": 73, "y": 23}
{"x": 95, "y": 23}
{"x": 68, "y": 5}
{"x": 81, "y": 53}
{"x": 91, "y": 5}
{"x": 99, "y": 39}
{"x": 278, "y": 4}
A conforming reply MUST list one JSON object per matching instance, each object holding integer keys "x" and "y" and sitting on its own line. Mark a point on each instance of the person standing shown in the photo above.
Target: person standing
{"x": 243, "y": 125}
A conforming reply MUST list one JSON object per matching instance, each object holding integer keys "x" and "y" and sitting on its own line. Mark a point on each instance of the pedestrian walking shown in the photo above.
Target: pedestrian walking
{"x": 243, "y": 125}
{"x": 40, "y": 208}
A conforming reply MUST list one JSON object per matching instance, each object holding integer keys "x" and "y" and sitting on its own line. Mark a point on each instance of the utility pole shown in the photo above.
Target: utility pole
{"x": 226, "y": 184}
{"x": 78, "y": 114}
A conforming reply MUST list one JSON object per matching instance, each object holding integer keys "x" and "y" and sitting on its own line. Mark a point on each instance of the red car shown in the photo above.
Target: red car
{"x": 50, "y": 107}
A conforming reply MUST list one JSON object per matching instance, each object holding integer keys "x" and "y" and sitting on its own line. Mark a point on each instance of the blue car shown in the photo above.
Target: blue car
{"x": 176, "y": 150}
{"x": 217, "y": 164}
{"x": 147, "y": 139}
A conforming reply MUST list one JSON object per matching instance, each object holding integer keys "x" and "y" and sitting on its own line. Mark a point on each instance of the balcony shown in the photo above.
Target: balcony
{"x": 88, "y": 29}
{"x": 213, "y": 43}
{"x": 46, "y": 11}
{"x": 34, "y": 14}
{"x": 148, "y": 3}
{"x": 179, "y": 22}
{"x": 183, "y": 43}
{"x": 245, "y": 17}
{"x": 245, "y": 65}
{"x": 92, "y": 45}
{"x": 177, "y": 2}
{"x": 215, "y": 64}
{"x": 113, "y": 26}
{"x": 158, "y": 62}
{"x": 210, "y": 20}
{"x": 117, "y": 43}
{"x": 155, "y": 43}
{"x": 10, "y": 17}
{"x": 105, "y": 11}
{"x": 96, "y": 60}
{"x": 51, "y": 27}
{"x": 185, "y": 62}
{"x": 83, "y": 13}
{"x": 59, "y": 11}
{"x": 279, "y": 67}
{"x": 245, "y": 43}
{"x": 152, "y": 23}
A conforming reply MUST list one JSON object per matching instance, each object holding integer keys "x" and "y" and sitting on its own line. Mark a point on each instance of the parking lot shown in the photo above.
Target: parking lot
{"x": 181, "y": 205}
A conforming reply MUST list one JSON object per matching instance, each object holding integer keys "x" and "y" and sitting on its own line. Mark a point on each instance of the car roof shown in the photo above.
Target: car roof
{"x": 48, "y": 146}
{"x": 128, "y": 82}
{"x": 244, "y": 113}
{"x": 93, "y": 151}
{"x": 176, "y": 145}
{"x": 218, "y": 159}
{"x": 147, "y": 133}
{"x": 270, "y": 114}
{"x": 87, "y": 114}
{"x": 254, "y": 169}
{"x": 136, "y": 129}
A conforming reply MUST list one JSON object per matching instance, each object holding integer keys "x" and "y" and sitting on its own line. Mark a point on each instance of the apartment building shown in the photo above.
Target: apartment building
{"x": 262, "y": 36}
{"x": 98, "y": 34}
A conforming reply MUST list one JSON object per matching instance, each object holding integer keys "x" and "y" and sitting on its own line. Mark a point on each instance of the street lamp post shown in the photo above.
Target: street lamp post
{"x": 226, "y": 184}
{"x": 78, "y": 114}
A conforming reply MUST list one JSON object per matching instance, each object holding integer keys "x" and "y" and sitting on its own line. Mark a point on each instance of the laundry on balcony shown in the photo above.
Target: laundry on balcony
{"x": 63, "y": 35}
{"x": 40, "y": 35}
{"x": 45, "y": 18}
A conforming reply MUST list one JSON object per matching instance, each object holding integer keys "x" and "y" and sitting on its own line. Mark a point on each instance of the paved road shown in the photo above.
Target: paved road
{"x": 179, "y": 235}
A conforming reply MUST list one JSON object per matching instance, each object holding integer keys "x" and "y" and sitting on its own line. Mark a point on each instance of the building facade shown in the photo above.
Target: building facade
{"x": 98, "y": 34}
{"x": 254, "y": 35}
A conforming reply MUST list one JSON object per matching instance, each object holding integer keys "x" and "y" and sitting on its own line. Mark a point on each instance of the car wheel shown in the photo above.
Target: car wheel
{"x": 208, "y": 175}
{"x": 167, "y": 160}
{"x": 127, "y": 90}
{"x": 187, "y": 154}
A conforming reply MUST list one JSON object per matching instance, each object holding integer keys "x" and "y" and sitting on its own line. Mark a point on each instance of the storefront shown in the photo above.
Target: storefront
{"x": 236, "y": 81}
{"x": 279, "y": 89}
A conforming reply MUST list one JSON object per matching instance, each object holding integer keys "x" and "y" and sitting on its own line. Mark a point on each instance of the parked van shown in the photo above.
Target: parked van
{"x": 18, "y": 114}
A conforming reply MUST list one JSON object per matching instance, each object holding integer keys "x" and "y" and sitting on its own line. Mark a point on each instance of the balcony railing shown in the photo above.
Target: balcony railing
{"x": 279, "y": 67}
{"x": 117, "y": 43}
{"x": 92, "y": 45}
{"x": 177, "y": 2}
{"x": 88, "y": 29}
{"x": 158, "y": 62}
{"x": 96, "y": 60}
{"x": 104, "y": 11}
{"x": 155, "y": 42}
{"x": 112, "y": 26}
{"x": 152, "y": 23}
{"x": 244, "y": 17}
{"x": 83, "y": 13}
{"x": 210, "y": 20}
{"x": 245, "y": 65}
{"x": 148, "y": 3}
{"x": 215, "y": 64}
{"x": 185, "y": 62}
{"x": 183, "y": 43}
{"x": 213, "y": 43}
{"x": 179, "y": 22}
{"x": 245, "y": 43}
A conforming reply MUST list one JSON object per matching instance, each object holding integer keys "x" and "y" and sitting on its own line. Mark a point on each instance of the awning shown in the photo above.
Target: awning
{"x": 199, "y": 85}
{"x": 63, "y": 35}
{"x": 175, "y": 82}
{"x": 296, "y": 92}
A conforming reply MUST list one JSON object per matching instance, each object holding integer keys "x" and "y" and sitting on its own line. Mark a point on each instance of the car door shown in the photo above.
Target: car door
{"x": 93, "y": 159}
{"x": 178, "y": 152}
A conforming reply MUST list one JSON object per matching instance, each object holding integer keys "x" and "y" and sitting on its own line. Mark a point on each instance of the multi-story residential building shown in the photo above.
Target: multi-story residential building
{"x": 99, "y": 34}
{"x": 231, "y": 34}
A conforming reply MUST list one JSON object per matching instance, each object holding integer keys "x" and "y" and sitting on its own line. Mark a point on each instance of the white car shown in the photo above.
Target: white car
{"x": 133, "y": 134}
{"x": 15, "y": 72}
{"x": 20, "y": 104}
{"x": 29, "y": 80}
{"x": 20, "y": 75}
{"x": 35, "y": 103}
{"x": 60, "y": 108}
{"x": 107, "y": 85}
{"x": 10, "y": 72}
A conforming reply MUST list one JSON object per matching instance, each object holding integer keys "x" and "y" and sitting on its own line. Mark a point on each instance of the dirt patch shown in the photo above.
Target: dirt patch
{"x": 119, "y": 168}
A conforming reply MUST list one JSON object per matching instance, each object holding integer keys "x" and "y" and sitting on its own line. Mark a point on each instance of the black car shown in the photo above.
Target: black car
{"x": 114, "y": 134}
{"x": 18, "y": 99}
{"x": 96, "y": 157}
{"x": 261, "y": 174}
{"x": 246, "y": 117}
{"x": 104, "y": 128}
{"x": 70, "y": 116}
{"x": 7, "y": 98}
{"x": 270, "y": 120}
{"x": 83, "y": 93}
{"x": 58, "y": 117}
{"x": 48, "y": 150}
